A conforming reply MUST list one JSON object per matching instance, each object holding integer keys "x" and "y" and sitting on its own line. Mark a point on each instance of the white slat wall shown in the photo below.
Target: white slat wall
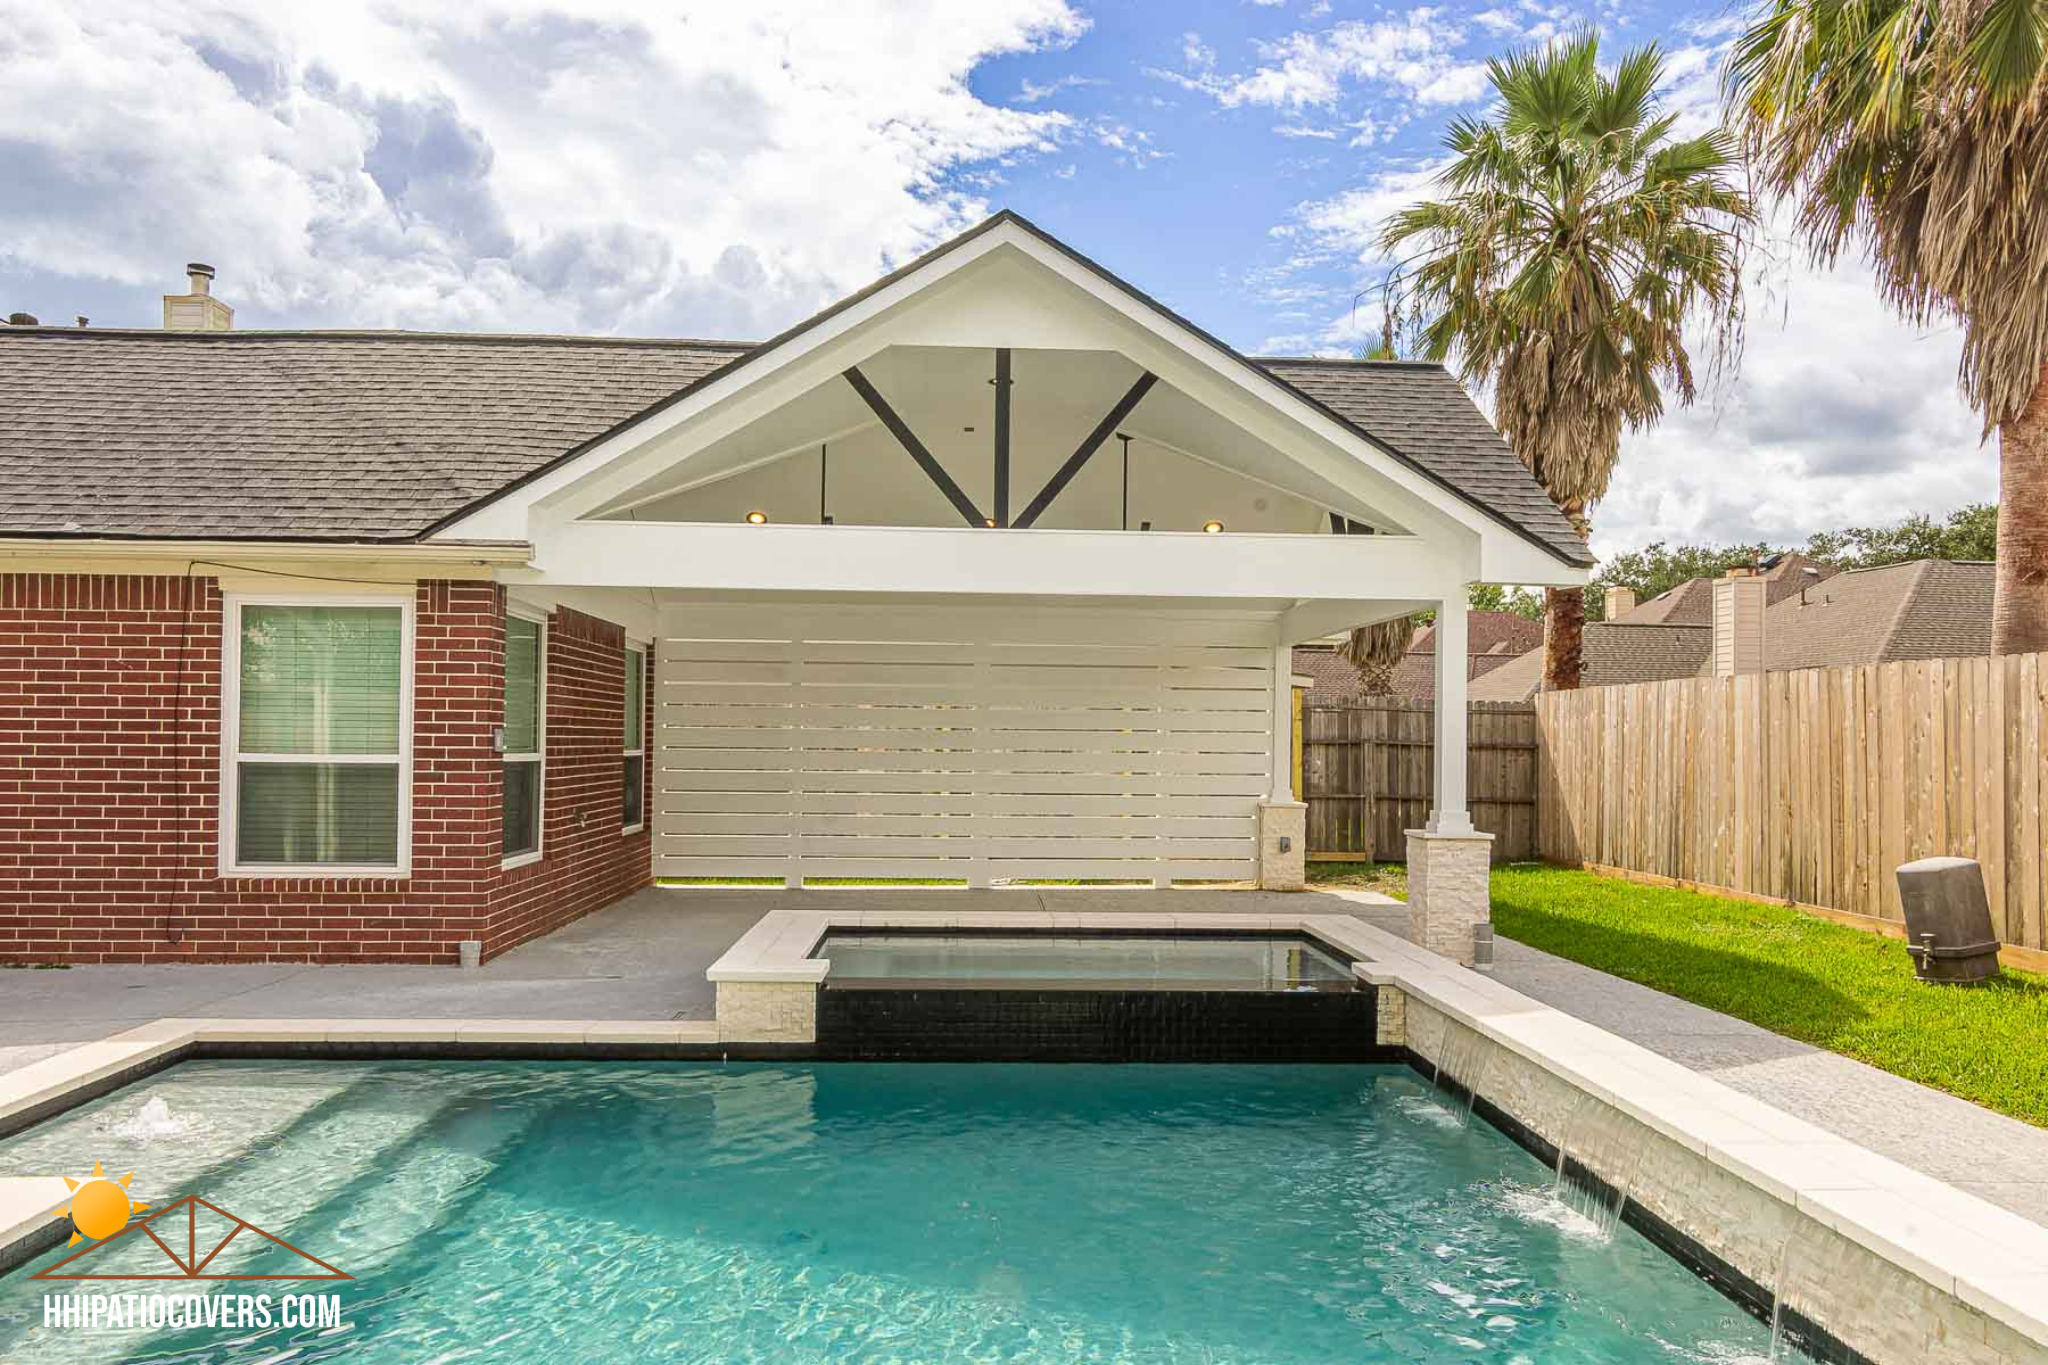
{"x": 946, "y": 742}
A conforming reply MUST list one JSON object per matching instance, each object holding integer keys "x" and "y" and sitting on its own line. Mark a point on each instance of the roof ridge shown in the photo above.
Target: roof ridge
{"x": 370, "y": 334}
{"x": 1348, "y": 361}
{"x": 1899, "y": 613}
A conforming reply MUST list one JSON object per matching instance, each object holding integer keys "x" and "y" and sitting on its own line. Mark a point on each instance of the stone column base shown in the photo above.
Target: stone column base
{"x": 767, "y": 1012}
{"x": 1448, "y": 895}
{"x": 1283, "y": 820}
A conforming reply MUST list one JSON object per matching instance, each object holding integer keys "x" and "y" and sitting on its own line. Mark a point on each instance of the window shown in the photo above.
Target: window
{"x": 525, "y": 708}
{"x": 316, "y": 729}
{"x": 635, "y": 766}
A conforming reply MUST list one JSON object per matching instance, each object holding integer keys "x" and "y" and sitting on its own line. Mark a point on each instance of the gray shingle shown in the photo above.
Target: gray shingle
{"x": 357, "y": 436}
{"x": 1425, "y": 414}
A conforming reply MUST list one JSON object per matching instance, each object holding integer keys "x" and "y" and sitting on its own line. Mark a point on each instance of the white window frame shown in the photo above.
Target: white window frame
{"x": 540, "y": 738}
{"x": 231, "y": 756}
{"x": 632, "y": 647}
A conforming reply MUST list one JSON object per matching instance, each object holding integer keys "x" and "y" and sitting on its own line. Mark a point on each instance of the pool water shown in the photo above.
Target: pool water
{"x": 541, "y": 1212}
{"x": 1159, "y": 961}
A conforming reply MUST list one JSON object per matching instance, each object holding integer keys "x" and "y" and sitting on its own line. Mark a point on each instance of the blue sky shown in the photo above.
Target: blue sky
{"x": 722, "y": 170}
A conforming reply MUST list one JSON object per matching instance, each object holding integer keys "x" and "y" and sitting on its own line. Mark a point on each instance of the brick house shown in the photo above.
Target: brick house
{"x": 357, "y": 646}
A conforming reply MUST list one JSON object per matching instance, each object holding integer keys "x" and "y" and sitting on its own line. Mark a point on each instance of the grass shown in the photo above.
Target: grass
{"x": 1838, "y": 988}
{"x": 1390, "y": 879}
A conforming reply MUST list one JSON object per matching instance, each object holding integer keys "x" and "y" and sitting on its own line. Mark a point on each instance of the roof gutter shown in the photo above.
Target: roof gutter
{"x": 468, "y": 552}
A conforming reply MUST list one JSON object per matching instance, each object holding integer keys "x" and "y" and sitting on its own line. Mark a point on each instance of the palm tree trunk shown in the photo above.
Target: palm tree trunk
{"x": 1564, "y": 628}
{"x": 1564, "y": 620}
{"x": 2019, "y": 612}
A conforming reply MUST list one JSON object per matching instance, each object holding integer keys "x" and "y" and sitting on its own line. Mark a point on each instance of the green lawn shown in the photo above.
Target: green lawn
{"x": 1826, "y": 984}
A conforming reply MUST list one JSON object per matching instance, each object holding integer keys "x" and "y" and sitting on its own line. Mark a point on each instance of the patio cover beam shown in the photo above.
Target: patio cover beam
{"x": 905, "y": 437}
{"x": 1064, "y": 475}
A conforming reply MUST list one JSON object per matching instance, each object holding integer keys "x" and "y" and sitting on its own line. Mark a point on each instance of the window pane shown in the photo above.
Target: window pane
{"x": 522, "y": 686}
{"x": 320, "y": 680}
{"x": 343, "y": 814}
{"x": 636, "y": 679}
{"x": 522, "y": 807}
{"x": 635, "y": 767}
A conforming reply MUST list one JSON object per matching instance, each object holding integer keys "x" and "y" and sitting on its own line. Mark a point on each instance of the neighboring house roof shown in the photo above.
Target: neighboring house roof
{"x": 1614, "y": 652}
{"x": 1926, "y": 609}
{"x": 1493, "y": 639}
{"x": 1691, "y": 603}
{"x": 387, "y": 435}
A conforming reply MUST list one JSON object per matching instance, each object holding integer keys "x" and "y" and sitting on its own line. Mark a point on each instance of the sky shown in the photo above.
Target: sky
{"x": 723, "y": 170}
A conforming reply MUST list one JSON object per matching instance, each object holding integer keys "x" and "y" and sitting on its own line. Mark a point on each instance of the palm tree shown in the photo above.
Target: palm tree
{"x": 1919, "y": 130}
{"x": 1577, "y": 240}
{"x": 1376, "y": 651}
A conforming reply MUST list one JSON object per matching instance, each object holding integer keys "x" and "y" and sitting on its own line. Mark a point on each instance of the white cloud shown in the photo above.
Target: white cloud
{"x": 1030, "y": 92}
{"x": 1302, "y": 130}
{"x": 1412, "y": 54}
{"x": 689, "y": 168}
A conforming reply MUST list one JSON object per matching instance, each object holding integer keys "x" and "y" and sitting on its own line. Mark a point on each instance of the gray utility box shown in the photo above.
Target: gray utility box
{"x": 1948, "y": 920}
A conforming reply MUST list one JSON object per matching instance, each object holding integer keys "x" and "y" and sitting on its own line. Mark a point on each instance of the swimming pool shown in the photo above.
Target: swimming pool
{"x": 573, "y": 1212}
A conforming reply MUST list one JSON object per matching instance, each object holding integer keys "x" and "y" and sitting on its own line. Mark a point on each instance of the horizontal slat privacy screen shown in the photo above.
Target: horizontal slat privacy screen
{"x": 945, "y": 743}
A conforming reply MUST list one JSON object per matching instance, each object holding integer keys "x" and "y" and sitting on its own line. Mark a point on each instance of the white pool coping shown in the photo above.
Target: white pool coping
{"x": 1990, "y": 1259}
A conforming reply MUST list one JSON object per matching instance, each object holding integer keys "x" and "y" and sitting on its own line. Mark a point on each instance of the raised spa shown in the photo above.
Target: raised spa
{"x": 1209, "y": 962}
{"x": 1076, "y": 996}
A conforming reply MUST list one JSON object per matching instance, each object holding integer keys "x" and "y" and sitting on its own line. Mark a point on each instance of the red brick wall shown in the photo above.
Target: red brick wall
{"x": 585, "y": 862}
{"x": 110, "y": 776}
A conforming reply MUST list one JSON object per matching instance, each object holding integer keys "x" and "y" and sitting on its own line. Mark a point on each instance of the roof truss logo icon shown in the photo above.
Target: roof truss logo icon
{"x": 192, "y": 1264}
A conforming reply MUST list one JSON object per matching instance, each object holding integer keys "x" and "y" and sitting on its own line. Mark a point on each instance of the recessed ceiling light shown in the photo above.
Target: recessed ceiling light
{"x": 756, "y": 518}
{"x": 1211, "y": 527}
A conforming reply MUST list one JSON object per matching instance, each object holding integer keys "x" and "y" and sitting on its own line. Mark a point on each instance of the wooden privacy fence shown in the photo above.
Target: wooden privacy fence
{"x": 1809, "y": 787}
{"x": 1367, "y": 775}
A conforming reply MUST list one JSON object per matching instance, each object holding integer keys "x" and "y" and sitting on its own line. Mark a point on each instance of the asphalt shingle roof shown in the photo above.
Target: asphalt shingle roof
{"x": 1613, "y": 653}
{"x": 1926, "y": 609}
{"x": 1424, "y": 413}
{"x": 337, "y": 435}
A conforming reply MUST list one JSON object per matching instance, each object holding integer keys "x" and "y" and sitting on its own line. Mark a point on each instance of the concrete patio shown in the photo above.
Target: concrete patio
{"x": 645, "y": 959}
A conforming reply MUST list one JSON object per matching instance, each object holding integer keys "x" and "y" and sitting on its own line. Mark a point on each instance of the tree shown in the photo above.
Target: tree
{"x": 1576, "y": 240}
{"x": 1515, "y": 601}
{"x": 1969, "y": 532}
{"x": 1918, "y": 129}
{"x": 1376, "y": 651}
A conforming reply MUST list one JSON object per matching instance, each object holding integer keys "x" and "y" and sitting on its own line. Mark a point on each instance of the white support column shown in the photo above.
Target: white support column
{"x": 1283, "y": 723}
{"x": 1283, "y": 821}
{"x": 1447, "y": 811}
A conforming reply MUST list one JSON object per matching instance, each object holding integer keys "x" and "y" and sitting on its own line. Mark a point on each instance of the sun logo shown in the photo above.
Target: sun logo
{"x": 99, "y": 1205}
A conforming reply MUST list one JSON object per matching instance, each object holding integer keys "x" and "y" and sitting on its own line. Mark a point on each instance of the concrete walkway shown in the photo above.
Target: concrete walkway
{"x": 2000, "y": 1160}
{"x": 645, "y": 959}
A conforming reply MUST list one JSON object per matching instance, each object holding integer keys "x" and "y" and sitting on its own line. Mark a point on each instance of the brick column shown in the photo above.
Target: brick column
{"x": 1448, "y": 894}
